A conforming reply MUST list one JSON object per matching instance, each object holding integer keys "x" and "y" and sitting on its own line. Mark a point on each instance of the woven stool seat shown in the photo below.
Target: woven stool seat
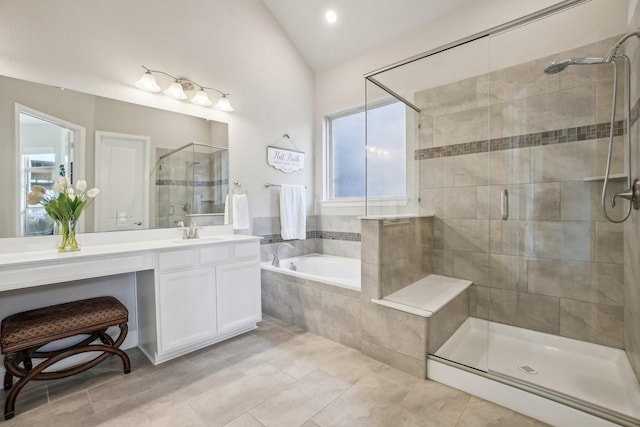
{"x": 43, "y": 325}
{"x": 23, "y": 336}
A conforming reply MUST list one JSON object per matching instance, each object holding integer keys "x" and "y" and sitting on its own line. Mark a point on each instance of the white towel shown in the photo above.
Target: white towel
{"x": 293, "y": 213}
{"x": 226, "y": 210}
{"x": 240, "y": 212}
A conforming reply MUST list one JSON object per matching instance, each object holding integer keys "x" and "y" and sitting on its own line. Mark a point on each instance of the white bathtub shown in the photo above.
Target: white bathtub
{"x": 333, "y": 270}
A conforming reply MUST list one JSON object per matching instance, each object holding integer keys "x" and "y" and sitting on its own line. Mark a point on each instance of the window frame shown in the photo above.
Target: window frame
{"x": 327, "y": 165}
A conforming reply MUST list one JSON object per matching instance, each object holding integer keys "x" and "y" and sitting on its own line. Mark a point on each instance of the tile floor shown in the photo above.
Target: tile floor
{"x": 277, "y": 375}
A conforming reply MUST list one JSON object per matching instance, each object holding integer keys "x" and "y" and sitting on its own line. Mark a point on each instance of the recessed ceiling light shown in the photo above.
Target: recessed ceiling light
{"x": 331, "y": 16}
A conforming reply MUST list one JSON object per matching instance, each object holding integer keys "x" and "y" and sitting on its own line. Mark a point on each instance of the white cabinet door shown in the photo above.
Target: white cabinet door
{"x": 238, "y": 295}
{"x": 187, "y": 308}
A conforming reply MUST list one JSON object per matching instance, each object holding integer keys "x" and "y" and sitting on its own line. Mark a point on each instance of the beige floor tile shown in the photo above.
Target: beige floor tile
{"x": 244, "y": 420}
{"x": 368, "y": 402}
{"x": 223, "y": 404}
{"x": 33, "y": 395}
{"x": 126, "y": 414}
{"x": 177, "y": 393}
{"x": 275, "y": 375}
{"x": 298, "y": 402}
{"x": 65, "y": 412}
{"x": 182, "y": 417}
{"x": 348, "y": 364}
{"x": 430, "y": 404}
{"x": 481, "y": 413}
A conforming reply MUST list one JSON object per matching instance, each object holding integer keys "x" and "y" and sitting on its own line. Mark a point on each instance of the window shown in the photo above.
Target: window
{"x": 386, "y": 153}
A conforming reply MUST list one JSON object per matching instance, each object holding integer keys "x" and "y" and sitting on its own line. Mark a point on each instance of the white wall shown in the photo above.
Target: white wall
{"x": 342, "y": 87}
{"x": 235, "y": 46}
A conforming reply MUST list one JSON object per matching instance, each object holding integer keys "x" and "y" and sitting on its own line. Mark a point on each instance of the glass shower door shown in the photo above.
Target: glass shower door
{"x": 447, "y": 113}
{"x": 555, "y": 264}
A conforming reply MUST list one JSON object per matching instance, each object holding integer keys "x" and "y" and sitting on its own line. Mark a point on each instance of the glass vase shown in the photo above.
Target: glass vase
{"x": 68, "y": 233}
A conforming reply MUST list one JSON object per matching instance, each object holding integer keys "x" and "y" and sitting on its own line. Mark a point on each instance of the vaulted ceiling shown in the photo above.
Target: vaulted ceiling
{"x": 361, "y": 25}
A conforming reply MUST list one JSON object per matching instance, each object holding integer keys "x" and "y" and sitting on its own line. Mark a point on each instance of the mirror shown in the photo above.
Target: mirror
{"x": 116, "y": 146}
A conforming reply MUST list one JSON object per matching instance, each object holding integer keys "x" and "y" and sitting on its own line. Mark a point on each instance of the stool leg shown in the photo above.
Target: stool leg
{"x": 8, "y": 379}
{"x": 124, "y": 328}
{"x": 28, "y": 365}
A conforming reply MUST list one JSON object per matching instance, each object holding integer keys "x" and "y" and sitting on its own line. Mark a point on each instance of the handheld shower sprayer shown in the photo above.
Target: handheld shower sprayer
{"x": 633, "y": 188}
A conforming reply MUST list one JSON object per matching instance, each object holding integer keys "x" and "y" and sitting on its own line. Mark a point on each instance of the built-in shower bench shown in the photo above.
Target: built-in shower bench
{"x": 442, "y": 301}
{"x": 425, "y": 297}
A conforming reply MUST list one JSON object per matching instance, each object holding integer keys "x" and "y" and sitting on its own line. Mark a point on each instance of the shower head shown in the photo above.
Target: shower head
{"x": 558, "y": 66}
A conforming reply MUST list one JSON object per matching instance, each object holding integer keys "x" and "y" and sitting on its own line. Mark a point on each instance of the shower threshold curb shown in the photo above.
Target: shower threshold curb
{"x": 543, "y": 405}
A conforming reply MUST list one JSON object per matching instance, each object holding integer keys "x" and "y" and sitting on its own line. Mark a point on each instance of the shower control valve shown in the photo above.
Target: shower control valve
{"x": 632, "y": 194}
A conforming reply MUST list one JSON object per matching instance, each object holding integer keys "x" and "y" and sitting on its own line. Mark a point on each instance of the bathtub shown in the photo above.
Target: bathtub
{"x": 321, "y": 295}
{"x": 331, "y": 270}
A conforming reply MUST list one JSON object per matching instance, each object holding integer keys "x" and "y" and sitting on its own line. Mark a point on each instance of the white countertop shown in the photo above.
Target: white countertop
{"x": 23, "y": 256}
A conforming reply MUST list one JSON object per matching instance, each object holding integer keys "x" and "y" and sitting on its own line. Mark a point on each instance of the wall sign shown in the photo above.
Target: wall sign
{"x": 285, "y": 160}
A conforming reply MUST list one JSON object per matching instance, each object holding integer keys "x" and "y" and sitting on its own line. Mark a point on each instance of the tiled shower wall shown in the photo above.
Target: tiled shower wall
{"x": 632, "y": 226}
{"x": 555, "y": 265}
{"x": 337, "y": 235}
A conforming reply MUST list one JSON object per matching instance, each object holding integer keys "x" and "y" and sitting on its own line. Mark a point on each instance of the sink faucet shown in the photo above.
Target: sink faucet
{"x": 191, "y": 232}
{"x": 276, "y": 258}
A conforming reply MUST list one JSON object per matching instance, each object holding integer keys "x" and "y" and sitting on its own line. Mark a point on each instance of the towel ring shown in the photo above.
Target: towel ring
{"x": 237, "y": 188}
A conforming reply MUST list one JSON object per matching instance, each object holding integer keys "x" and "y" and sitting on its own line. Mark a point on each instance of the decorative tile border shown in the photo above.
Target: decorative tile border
{"x": 329, "y": 235}
{"x": 184, "y": 182}
{"x": 560, "y": 136}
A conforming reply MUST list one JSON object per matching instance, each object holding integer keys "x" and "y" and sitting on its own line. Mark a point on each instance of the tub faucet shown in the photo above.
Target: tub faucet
{"x": 276, "y": 258}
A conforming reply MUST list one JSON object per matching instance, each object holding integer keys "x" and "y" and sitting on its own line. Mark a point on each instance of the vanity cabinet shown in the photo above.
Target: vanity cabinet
{"x": 238, "y": 299}
{"x": 187, "y": 307}
{"x": 181, "y": 295}
{"x": 204, "y": 294}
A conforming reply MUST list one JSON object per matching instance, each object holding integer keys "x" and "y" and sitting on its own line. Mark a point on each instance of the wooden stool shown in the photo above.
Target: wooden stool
{"x": 22, "y": 334}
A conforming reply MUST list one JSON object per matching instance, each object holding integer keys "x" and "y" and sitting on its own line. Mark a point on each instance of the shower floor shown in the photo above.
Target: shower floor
{"x": 592, "y": 373}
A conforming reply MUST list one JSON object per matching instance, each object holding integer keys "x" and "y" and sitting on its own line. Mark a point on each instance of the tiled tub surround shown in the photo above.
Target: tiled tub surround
{"x": 396, "y": 253}
{"x": 311, "y": 304}
{"x": 555, "y": 265}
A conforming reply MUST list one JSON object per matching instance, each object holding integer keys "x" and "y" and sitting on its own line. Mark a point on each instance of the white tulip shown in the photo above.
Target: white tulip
{"x": 57, "y": 187}
{"x": 81, "y": 185}
{"x": 38, "y": 189}
{"x": 93, "y": 192}
{"x": 33, "y": 198}
{"x": 64, "y": 182}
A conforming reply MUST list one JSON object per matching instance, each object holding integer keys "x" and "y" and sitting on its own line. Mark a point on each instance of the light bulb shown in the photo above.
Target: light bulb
{"x": 148, "y": 83}
{"x": 331, "y": 17}
{"x": 201, "y": 98}
{"x": 223, "y": 104}
{"x": 175, "y": 91}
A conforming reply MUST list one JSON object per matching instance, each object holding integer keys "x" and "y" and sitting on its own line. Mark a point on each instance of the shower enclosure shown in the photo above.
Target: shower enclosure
{"x": 512, "y": 161}
{"x": 192, "y": 183}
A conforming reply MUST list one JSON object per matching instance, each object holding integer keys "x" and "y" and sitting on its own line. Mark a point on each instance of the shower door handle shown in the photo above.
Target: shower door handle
{"x": 504, "y": 204}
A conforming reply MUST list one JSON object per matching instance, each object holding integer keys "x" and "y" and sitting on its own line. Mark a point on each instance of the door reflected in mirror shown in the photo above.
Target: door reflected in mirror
{"x": 47, "y": 149}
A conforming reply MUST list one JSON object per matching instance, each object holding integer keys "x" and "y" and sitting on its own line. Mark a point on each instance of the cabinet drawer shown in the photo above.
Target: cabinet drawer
{"x": 216, "y": 254}
{"x": 176, "y": 259}
{"x": 247, "y": 250}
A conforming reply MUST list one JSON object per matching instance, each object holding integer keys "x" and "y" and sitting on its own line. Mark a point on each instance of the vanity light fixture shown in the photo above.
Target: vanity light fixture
{"x": 177, "y": 90}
